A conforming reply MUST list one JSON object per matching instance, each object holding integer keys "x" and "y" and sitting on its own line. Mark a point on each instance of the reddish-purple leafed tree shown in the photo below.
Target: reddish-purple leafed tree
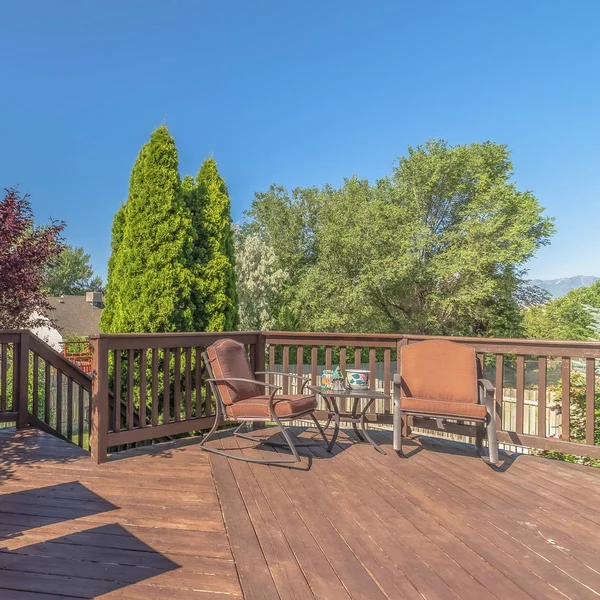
{"x": 25, "y": 251}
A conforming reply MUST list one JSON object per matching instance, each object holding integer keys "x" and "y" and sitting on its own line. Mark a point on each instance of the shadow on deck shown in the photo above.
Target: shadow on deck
{"x": 172, "y": 521}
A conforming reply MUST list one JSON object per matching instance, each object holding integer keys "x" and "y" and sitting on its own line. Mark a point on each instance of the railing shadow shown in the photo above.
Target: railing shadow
{"x": 82, "y": 564}
{"x": 24, "y": 448}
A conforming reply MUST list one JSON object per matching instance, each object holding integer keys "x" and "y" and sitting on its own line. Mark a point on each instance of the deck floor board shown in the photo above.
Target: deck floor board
{"x": 146, "y": 525}
{"x": 440, "y": 524}
{"x": 173, "y": 521}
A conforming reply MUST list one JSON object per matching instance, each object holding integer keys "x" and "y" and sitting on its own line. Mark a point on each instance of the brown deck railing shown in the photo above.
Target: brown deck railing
{"x": 39, "y": 387}
{"x": 158, "y": 376}
{"x": 528, "y": 363}
{"x": 547, "y": 392}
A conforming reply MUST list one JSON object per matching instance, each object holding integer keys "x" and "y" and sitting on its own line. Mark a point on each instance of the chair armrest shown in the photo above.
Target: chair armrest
{"x": 490, "y": 396}
{"x": 486, "y": 385}
{"x": 228, "y": 379}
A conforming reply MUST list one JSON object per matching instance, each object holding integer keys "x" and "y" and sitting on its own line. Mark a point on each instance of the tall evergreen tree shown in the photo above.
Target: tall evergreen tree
{"x": 213, "y": 253}
{"x": 150, "y": 283}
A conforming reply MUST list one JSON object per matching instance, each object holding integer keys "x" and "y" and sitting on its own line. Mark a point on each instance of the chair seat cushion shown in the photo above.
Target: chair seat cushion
{"x": 465, "y": 410}
{"x": 285, "y": 406}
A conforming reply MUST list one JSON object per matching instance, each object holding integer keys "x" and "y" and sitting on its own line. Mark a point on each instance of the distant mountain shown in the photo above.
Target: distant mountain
{"x": 560, "y": 287}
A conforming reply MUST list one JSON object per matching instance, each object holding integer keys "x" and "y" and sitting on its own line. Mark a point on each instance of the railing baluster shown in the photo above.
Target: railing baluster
{"x": 69, "y": 408}
{"x": 117, "y": 391}
{"x": 143, "y": 386}
{"x": 286, "y": 368}
{"x": 520, "y": 393}
{"x": 328, "y": 363}
{"x": 343, "y": 359}
{"x": 47, "y": 391}
{"x": 36, "y": 374}
{"x": 59, "y": 398}
{"x": 177, "y": 385}
{"x": 481, "y": 361}
{"x": 80, "y": 411}
{"x": 130, "y": 366}
{"x": 314, "y": 366}
{"x": 590, "y": 393}
{"x": 188, "y": 383}
{"x": 167, "y": 385}
{"x": 357, "y": 358}
{"x": 198, "y": 380}
{"x": 387, "y": 377}
{"x": 208, "y": 409}
{"x": 271, "y": 363}
{"x": 154, "y": 408}
{"x": 566, "y": 399}
{"x": 299, "y": 366}
{"x": 542, "y": 377}
{"x": 499, "y": 389}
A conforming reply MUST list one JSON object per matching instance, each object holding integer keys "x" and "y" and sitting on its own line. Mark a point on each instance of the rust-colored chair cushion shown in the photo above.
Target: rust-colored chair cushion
{"x": 258, "y": 407}
{"x": 439, "y": 370}
{"x": 228, "y": 358}
{"x": 465, "y": 410}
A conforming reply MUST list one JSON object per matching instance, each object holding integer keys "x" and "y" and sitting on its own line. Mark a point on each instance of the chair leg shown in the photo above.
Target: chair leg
{"x": 213, "y": 428}
{"x": 287, "y": 438}
{"x": 397, "y": 433}
{"x": 492, "y": 440}
{"x": 321, "y": 430}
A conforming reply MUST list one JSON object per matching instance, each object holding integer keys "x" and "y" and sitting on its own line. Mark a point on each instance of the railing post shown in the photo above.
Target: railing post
{"x": 258, "y": 364}
{"x": 22, "y": 374}
{"x": 99, "y": 400}
{"x": 403, "y": 425}
{"x": 259, "y": 351}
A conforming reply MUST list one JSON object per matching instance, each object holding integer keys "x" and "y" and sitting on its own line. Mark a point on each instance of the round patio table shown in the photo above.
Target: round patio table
{"x": 356, "y": 417}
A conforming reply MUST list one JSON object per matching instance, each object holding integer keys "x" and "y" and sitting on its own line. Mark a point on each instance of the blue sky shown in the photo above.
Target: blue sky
{"x": 299, "y": 92}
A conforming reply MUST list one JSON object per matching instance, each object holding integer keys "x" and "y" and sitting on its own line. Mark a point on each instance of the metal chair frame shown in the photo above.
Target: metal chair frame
{"x": 482, "y": 427}
{"x": 222, "y": 417}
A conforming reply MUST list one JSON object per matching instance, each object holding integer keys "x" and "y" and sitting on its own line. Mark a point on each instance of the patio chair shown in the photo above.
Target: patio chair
{"x": 441, "y": 380}
{"x": 241, "y": 398}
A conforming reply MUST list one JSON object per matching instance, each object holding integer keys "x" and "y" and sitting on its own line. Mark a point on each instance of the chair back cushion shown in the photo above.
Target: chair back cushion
{"x": 439, "y": 370}
{"x": 228, "y": 358}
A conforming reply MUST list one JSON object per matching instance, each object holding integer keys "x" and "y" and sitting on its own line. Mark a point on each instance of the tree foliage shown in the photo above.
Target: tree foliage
{"x": 26, "y": 251}
{"x": 212, "y": 256}
{"x": 260, "y": 282}
{"x": 71, "y": 273}
{"x": 172, "y": 261}
{"x": 437, "y": 247}
{"x": 150, "y": 282}
{"x": 575, "y": 316}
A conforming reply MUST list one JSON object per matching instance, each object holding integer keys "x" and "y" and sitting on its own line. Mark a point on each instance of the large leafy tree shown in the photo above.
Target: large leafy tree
{"x": 71, "y": 273}
{"x": 437, "y": 247}
{"x": 212, "y": 257}
{"x": 150, "y": 282}
{"x": 26, "y": 251}
{"x": 286, "y": 221}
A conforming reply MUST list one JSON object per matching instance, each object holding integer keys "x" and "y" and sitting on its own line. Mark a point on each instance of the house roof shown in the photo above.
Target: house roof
{"x": 73, "y": 315}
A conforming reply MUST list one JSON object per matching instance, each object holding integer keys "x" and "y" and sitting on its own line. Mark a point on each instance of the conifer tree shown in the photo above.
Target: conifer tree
{"x": 150, "y": 283}
{"x": 213, "y": 252}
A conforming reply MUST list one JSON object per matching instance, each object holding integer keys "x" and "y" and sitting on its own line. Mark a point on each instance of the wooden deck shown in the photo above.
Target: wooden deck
{"x": 175, "y": 522}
